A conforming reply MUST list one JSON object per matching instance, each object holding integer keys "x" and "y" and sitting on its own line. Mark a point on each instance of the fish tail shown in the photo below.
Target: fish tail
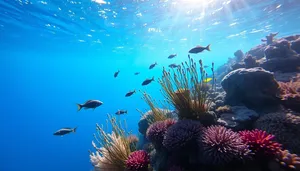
{"x": 153, "y": 78}
{"x": 79, "y": 107}
{"x": 74, "y": 130}
{"x": 208, "y": 47}
{"x": 125, "y": 111}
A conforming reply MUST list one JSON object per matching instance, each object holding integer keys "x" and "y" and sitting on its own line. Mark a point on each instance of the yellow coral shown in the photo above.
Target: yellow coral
{"x": 286, "y": 159}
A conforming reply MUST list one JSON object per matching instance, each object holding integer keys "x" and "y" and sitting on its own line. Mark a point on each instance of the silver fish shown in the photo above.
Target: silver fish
{"x": 65, "y": 131}
{"x": 90, "y": 104}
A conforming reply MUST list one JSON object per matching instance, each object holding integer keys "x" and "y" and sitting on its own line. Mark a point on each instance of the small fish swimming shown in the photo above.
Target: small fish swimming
{"x": 120, "y": 112}
{"x": 172, "y": 56}
{"x": 152, "y": 65}
{"x": 147, "y": 81}
{"x": 136, "y": 73}
{"x": 116, "y": 73}
{"x": 65, "y": 131}
{"x": 90, "y": 104}
{"x": 205, "y": 66}
{"x": 173, "y": 65}
{"x": 207, "y": 80}
{"x": 199, "y": 49}
{"x": 130, "y": 93}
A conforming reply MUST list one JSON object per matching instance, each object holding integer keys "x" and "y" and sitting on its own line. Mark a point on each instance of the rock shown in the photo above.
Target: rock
{"x": 291, "y": 38}
{"x": 279, "y": 49}
{"x": 285, "y": 77}
{"x": 290, "y": 64}
{"x": 255, "y": 88}
{"x": 239, "y": 55}
{"x": 250, "y": 62}
{"x": 241, "y": 118}
{"x": 238, "y": 65}
{"x": 296, "y": 45}
{"x": 258, "y": 51}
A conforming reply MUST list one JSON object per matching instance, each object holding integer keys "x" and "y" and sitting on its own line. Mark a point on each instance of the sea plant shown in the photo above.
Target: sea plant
{"x": 112, "y": 149}
{"x": 183, "y": 89}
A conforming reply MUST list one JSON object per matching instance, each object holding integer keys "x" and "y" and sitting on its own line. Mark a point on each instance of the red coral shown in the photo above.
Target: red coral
{"x": 138, "y": 161}
{"x": 261, "y": 143}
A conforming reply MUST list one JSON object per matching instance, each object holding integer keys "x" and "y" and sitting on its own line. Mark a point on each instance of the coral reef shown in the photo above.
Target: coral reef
{"x": 288, "y": 160}
{"x": 220, "y": 146}
{"x": 285, "y": 127}
{"x": 290, "y": 94}
{"x": 250, "y": 62}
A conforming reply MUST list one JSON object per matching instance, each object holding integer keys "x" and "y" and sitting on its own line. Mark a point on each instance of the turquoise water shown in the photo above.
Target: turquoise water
{"x": 57, "y": 53}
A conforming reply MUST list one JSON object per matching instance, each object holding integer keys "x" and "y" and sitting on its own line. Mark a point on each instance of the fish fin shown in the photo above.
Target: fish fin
{"x": 74, "y": 130}
{"x": 208, "y": 47}
{"x": 125, "y": 111}
{"x": 85, "y": 108}
{"x": 153, "y": 78}
{"x": 79, "y": 106}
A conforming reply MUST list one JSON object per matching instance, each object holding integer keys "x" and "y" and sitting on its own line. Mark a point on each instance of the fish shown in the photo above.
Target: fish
{"x": 207, "y": 80}
{"x": 89, "y": 104}
{"x": 152, "y": 65}
{"x": 199, "y": 49}
{"x": 205, "y": 66}
{"x": 116, "y": 73}
{"x": 173, "y": 66}
{"x": 147, "y": 81}
{"x": 130, "y": 93}
{"x": 136, "y": 73}
{"x": 172, "y": 56}
{"x": 120, "y": 112}
{"x": 64, "y": 131}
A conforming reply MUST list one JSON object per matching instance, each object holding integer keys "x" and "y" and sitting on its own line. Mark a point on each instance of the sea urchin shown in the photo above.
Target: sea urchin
{"x": 138, "y": 161}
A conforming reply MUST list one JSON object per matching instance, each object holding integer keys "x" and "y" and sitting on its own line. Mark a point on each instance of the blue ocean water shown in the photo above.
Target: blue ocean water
{"x": 56, "y": 53}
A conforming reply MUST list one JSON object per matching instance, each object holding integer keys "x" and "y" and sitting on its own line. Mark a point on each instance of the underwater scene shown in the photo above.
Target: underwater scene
{"x": 150, "y": 85}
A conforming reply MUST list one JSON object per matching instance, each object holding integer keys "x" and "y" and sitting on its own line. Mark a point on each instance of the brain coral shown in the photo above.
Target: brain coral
{"x": 285, "y": 127}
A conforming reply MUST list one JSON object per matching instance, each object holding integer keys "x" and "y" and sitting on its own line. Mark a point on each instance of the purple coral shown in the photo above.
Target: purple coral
{"x": 156, "y": 132}
{"x": 181, "y": 134}
{"x": 138, "y": 161}
{"x": 222, "y": 146}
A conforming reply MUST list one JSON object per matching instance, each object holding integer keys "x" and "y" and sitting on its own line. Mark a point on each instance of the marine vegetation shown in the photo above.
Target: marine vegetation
{"x": 183, "y": 89}
{"x": 112, "y": 150}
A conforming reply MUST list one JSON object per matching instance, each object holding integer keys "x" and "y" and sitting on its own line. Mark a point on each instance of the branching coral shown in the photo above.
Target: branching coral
{"x": 138, "y": 161}
{"x": 184, "y": 89}
{"x": 261, "y": 143}
{"x": 182, "y": 134}
{"x": 284, "y": 126}
{"x": 222, "y": 146}
{"x": 114, "y": 148}
{"x": 288, "y": 160}
{"x": 224, "y": 109}
{"x": 290, "y": 94}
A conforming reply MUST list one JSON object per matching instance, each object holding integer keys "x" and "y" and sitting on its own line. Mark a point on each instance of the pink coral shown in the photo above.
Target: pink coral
{"x": 261, "y": 143}
{"x": 138, "y": 161}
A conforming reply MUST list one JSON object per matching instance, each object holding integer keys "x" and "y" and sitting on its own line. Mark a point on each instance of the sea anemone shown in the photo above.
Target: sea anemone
{"x": 184, "y": 90}
{"x": 288, "y": 160}
{"x": 115, "y": 147}
{"x": 222, "y": 146}
{"x": 133, "y": 141}
{"x": 182, "y": 134}
{"x": 157, "y": 131}
{"x": 284, "y": 126}
{"x": 261, "y": 143}
{"x": 138, "y": 161}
